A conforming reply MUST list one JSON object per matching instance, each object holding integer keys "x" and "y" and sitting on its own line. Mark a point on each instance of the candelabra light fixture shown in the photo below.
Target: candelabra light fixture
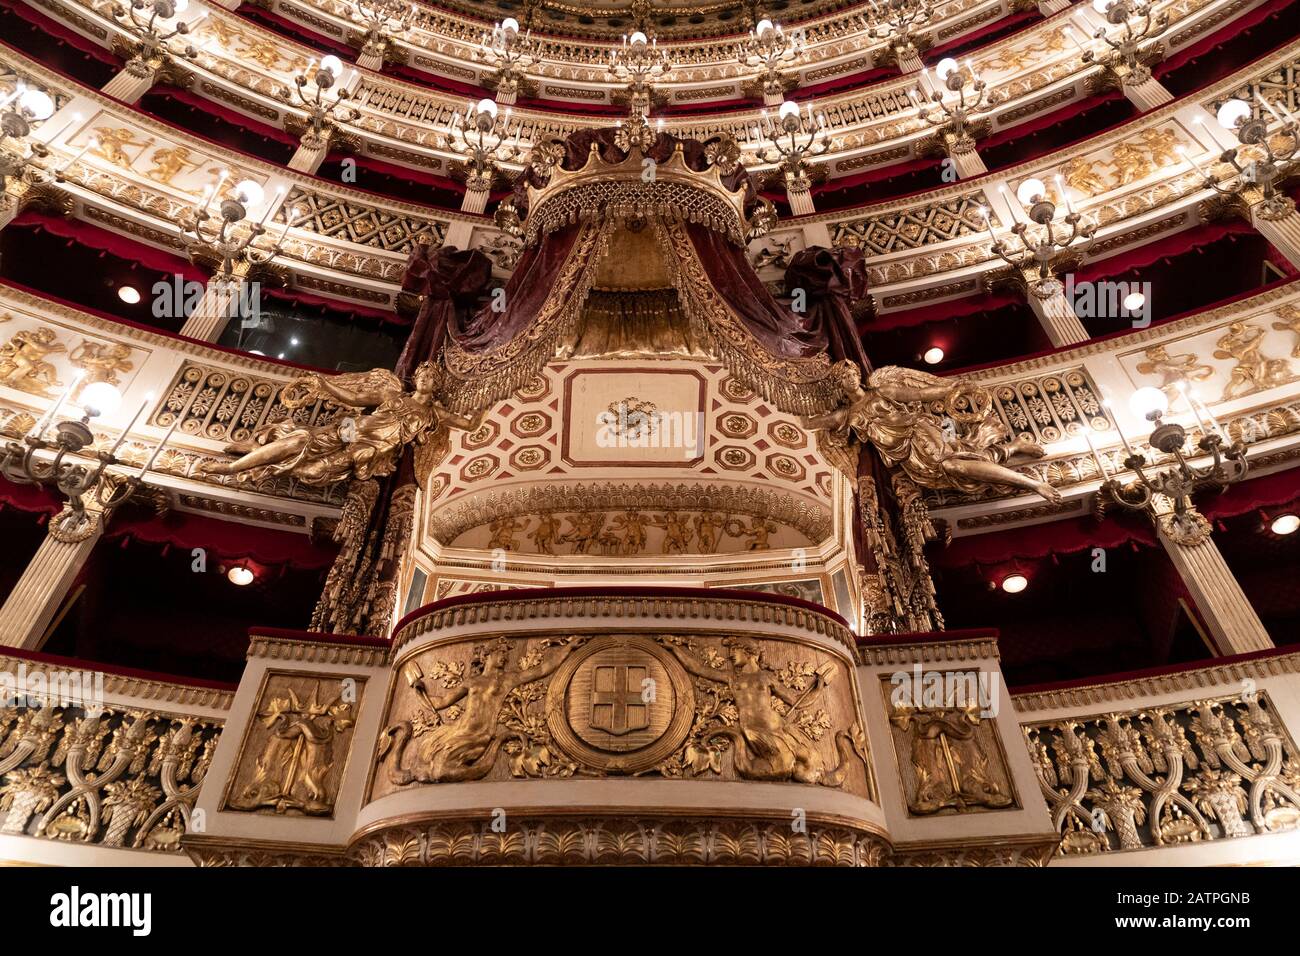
{"x": 1266, "y": 157}
{"x": 325, "y": 109}
{"x": 772, "y": 51}
{"x": 951, "y": 109}
{"x": 228, "y": 238}
{"x": 383, "y": 21}
{"x": 1127, "y": 53}
{"x": 19, "y": 158}
{"x": 64, "y": 463}
{"x": 898, "y": 23}
{"x": 151, "y": 47}
{"x": 1043, "y": 241}
{"x": 482, "y": 135}
{"x": 510, "y": 54}
{"x": 791, "y": 142}
{"x": 639, "y": 64}
{"x": 1177, "y": 484}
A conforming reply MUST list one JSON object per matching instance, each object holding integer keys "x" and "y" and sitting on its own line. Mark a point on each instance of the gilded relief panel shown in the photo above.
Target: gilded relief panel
{"x": 40, "y": 356}
{"x": 113, "y": 143}
{"x": 949, "y": 755}
{"x": 296, "y": 745}
{"x": 671, "y": 705}
{"x": 1241, "y": 356}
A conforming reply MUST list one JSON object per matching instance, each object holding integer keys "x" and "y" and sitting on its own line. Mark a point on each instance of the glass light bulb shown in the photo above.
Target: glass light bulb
{"x": 100, "y": 398}
{"x": 1030, "y": 191}
{"x": 1148, "y": 400}
{"x": 250, "y": 193}
{"x": 37, "y": 104}
{"x": 1233, "y": 112}
{"x": 788, "y": 108}
{"x": 638, "y": 39}
{"x": 332, "y": 65}
{"x": 947, "y": 66}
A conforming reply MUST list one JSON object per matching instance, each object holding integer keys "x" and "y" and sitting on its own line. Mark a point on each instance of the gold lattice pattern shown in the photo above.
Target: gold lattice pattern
{"x": 214, "y": 403}
{"x": 912, "y": 228}
{"x": 1278, "y": 86}
{"x": 117, "y": 779}
{"x": 364, "y": 225}
{"x": 1185, "y": 773}
{"x": 1051, "y": 407}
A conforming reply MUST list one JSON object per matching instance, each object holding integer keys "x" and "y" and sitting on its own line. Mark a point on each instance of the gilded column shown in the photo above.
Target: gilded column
{"x": 40, "y": 592}
{"x": 310, "y": 154}
{"x": 801, "y": 201}
{"x": 1283, "y": 233}
{"x": 133, "y": 82}
{"x": 909, "y": 61}
{"x": 1057, "y": 318}
{"x": 968, "y": 163}
{"x": 371, "y": 61}
{"x": 1233, "y": 623}
{"x": 1147, "y": 95}
{"x": 220, "y": 301}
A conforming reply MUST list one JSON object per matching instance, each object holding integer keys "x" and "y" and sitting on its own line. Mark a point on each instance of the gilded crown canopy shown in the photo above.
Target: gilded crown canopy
{"x": 635, "y": 171}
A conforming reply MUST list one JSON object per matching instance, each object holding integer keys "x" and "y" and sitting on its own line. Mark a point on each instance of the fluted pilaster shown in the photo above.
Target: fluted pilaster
{"x": 1233, "y": 623}
{"x": 40, "y": 592}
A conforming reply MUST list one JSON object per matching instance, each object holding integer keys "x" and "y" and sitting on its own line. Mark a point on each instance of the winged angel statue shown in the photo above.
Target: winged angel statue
{"x": 941, "y": 432}
{"x": 349, "y": 446}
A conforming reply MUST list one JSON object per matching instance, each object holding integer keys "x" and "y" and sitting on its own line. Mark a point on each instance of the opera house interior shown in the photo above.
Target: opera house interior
{"x": 650, "y": 432}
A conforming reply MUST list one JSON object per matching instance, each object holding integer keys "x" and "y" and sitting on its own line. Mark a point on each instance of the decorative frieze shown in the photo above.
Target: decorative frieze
{"x": 1195, "y": 772}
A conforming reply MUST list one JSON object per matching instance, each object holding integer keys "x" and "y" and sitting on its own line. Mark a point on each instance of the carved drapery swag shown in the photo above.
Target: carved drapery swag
{"x": 360, "y": 595}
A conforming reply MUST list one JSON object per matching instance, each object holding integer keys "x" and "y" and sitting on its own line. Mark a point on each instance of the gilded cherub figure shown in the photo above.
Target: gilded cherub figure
{"x": 102, "y": 361}
{"x": 1254, "y": 371}
{"x": 463, "y": 747}
{"x": 347, "y": 447}
{"x": 894, "y": 412}
{"x": 1290, "y": 322}
{"x": 1173, "y": 369}
{"x": 23, "y": 363}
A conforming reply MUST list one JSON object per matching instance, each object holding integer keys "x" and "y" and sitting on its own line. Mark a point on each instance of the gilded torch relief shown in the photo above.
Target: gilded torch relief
{"x": 296, "y": 745}
{"x": 675, "y": 706}
{"x": 950, "y": 757}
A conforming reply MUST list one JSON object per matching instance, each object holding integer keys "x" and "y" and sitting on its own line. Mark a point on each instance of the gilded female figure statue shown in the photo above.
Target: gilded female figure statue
{"x": 464, "y": 748}
{"x": 894, "y": 412}
{"x": 362, "y": 447}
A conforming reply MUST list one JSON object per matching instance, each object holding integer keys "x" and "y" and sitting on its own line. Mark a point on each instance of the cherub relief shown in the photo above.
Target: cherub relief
{"x": 503, "y": 533}
{"x": 1173, "y": 369}
{"x": 1290, "y": 322}
{"x": 546, "y": 533}
{"x": 758, "y": 534}
{"x": 169, "y": 162}
{"x": 632, "y": 526}
{"x": 1253, "y": 371}
{"x": 111, "y": 144}
{"x": 347, "y": 447}
{"x": 23, "y": 362}
{"x": 894, "y": 412}
{"x": 462, "y": 747}
{"x": 1162, "y": 146}
{"x": 708, "y": 524}
{"x": 101, "y": 361}
{"x": 677, "y": 532}
{"x": 768, "y": 744}
{"x": 1130, "y": 162}
{"x": 584, "y": 531}
{"x": 1084, "y": 176}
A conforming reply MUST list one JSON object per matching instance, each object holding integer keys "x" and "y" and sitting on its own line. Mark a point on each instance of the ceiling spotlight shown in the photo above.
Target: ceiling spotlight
{"x": 240, "y": 575}
{"x": 1285, "y": 524}
{"x": 1134, "y": 301}
{"x": 129, "y": 294}
{"x": 294, "y": 340}
{"x": 933, "y": 356}
{"x": 1014, "y": 583}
